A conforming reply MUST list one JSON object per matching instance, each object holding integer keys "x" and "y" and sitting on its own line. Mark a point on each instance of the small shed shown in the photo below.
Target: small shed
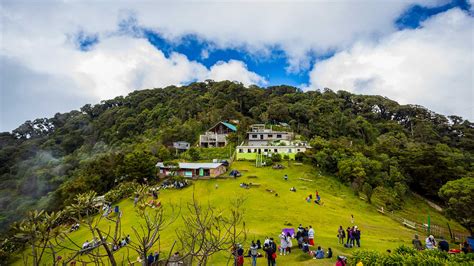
{"x": 192, "y": 170}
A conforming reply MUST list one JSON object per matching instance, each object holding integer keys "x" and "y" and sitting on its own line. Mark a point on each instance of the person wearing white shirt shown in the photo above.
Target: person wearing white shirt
{"x": 311, "y": 236}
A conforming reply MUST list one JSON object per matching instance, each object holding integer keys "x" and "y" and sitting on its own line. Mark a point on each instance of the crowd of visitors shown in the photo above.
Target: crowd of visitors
{"x": 120, "y": 244}
{"x": 442, "y": 245}
{"x": 353, "y": 236}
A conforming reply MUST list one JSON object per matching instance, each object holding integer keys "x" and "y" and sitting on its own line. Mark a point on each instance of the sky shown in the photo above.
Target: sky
{"x": 56, "y": 56}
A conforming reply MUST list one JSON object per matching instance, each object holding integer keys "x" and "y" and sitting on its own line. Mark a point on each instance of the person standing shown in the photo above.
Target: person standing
{"x": 305, "y": 234}
{"x": 352, "y": 238}
{"x": 299, "y": 237}
{"x": 311, "y": 236}
{"x": 270, "y": 250}
{"x": 356, "y": 234}
{"x": 352, "y": 218}
{"x": 283, "y": 244}
{"x": 254, "y": 253}
{"x": 349, "y": 234}
{"x": 341, "y": 234}
{"x": 240, "y": 256}
{"x": 150, "y": 259}
{"x": 289, "y": 242}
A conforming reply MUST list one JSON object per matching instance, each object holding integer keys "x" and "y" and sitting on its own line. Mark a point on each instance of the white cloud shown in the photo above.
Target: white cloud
{"x": 68, "y": 78}
{"x": 297, "y": 27}
{"x": 234, "y": 70}
{"x": 121, "y": 64}
{"x": 432, "y": 66}
{"x": 39, "y": 38}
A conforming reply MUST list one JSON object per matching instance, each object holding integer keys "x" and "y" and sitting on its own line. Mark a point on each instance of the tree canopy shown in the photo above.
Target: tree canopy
{"x": 370, "y": 142}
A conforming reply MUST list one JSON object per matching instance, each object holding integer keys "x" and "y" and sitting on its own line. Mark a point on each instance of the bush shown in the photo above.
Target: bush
{"x": 276, "y": 157}
{"x": 300, "y": 157}
{"x": 267, "y": 161}
{"x": 194, "y": 154}
{"x": 407, "y": 256}
{"x": 121, "y": 191}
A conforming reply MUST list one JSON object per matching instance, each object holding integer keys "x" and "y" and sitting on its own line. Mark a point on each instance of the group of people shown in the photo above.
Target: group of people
{"x": 305, "y": 235}
{"x": 174, "y": 184}
{"x": 430, "y": 243}
{"x": 121, "y": 244}
{"x": 269, "y": 247}
{"x": 107, "y": 209}
{"x": 353, "y": 236}
{"x": 88, "y": 246}
{"x": 153, "y": 257}
{"x": 317, "y": 200}
{"x": 74, "y": 227}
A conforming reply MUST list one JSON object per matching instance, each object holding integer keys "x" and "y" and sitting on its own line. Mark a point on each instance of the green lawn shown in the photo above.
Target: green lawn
{"x": 267, "y": 214}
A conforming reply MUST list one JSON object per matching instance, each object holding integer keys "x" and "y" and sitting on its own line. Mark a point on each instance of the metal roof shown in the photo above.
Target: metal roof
{"x": 232, "y": 127}
{"x": 194, "y": 165}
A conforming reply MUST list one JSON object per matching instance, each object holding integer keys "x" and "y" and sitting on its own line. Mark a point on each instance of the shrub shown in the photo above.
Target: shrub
{"x": 194, "y": 154}
{"x": 300, "y": 157}
{"x": 407, "y": 256}
{"x": 121, "y": 191}
{"x": 276, "y": 157}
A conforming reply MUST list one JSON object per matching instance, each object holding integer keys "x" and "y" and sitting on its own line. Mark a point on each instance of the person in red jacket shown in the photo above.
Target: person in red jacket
{"x": 341, "y": 261}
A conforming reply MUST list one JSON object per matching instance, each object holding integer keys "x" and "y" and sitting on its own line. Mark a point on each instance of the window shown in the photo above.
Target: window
{"x": 297, "y": 149}
{"x": 241, "y": 150}
{"x": 275, "y": 150}
{"x": 254, "y": 136}
{"x": 270, "y": 135}
{"x": 289, "y": 150}
{"x": 265, "y": 150}
{"x": 278, "y": 136}
{"x": 249, "y": 150}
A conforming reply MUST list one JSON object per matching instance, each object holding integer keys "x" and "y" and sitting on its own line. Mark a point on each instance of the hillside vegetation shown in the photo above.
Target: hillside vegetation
{"x": 266, "y": 214}
{"x": 378, "y": 148}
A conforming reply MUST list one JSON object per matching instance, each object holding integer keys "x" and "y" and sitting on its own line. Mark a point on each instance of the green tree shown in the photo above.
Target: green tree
{"x": 368, "y": 191}
{"x": 138, "y": 165}
{"x": 194, "y": 154}
{"x": 458, "y": 195}
{"x": 38, "y": 231}
{"x": 276, "y": 157}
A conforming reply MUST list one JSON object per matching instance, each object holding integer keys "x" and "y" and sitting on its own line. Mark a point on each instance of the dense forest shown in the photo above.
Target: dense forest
{"x": 371, "y": 143}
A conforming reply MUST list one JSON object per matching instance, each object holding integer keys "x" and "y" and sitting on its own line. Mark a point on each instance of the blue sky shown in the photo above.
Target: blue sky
{"x": 56, "y": 56}
{"x": 273, "y": 66}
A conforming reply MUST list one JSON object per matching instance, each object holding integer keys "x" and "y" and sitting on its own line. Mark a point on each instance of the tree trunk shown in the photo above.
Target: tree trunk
{"x": 109, "y": 252}
{"x": 35, "y": 257}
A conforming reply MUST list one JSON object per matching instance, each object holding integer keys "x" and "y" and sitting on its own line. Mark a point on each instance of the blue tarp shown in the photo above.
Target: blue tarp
{"x": 470, "y": 241}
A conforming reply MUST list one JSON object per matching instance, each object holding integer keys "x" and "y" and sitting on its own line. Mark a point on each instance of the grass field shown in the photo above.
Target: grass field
{"x": 266, "y": 214}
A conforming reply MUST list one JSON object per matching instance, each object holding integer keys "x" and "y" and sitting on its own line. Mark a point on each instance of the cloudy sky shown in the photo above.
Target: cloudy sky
{"x": 56, "y": 56}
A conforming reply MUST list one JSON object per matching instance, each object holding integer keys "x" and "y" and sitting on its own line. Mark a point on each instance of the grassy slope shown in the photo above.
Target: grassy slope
{"x": 267, "y": 214}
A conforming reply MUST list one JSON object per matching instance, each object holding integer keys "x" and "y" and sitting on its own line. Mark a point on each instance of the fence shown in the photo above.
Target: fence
{"x": 435, "y": 230}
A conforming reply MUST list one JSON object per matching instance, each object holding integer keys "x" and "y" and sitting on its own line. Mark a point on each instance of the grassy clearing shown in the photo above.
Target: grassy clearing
{"x": 267, "y": 214}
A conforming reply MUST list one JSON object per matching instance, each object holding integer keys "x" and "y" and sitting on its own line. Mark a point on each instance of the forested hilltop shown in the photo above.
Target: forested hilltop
{"x": 369, "y": 142}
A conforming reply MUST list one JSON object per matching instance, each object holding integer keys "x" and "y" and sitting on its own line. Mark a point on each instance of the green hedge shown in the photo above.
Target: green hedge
{"x": 409, "y": 256}
{"x": 121, "y": 191}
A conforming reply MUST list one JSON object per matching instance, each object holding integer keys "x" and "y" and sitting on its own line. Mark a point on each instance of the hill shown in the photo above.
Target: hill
{"x": 380, "y": 149}
{"x": 266, "y": 215}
